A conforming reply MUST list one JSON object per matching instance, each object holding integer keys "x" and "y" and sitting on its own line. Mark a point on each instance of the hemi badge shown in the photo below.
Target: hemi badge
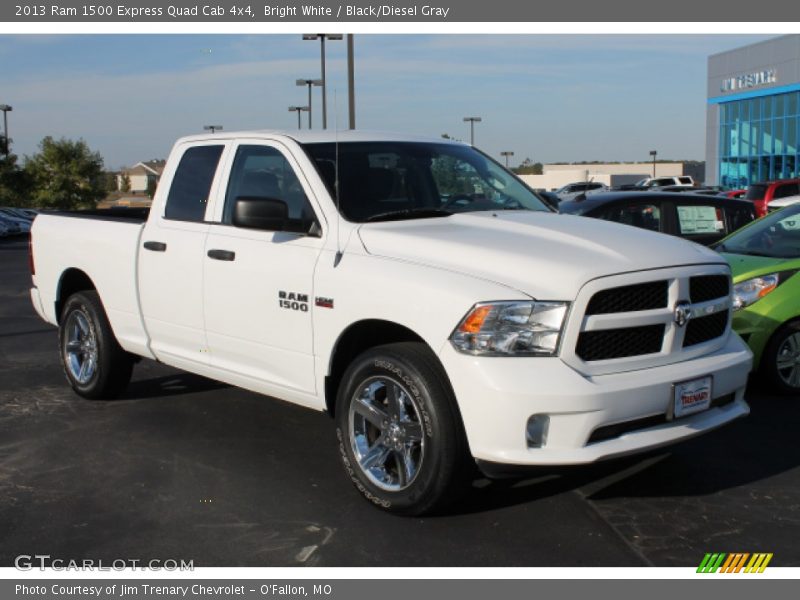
{"x": 324, "y": 302}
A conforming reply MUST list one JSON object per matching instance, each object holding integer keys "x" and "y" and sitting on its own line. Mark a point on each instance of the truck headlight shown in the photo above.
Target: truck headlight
{"x": 511, "y": 328}
{"x": 750, "y": 291}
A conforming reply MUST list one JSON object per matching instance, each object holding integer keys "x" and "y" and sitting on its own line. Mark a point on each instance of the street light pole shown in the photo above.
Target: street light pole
{"x": 212, "y": 128}
{"x": 507, "y": 153}
{"x": 351, "y": 81}
{"x": 322, "y": 37}
{"x": 298, "y": 110}
{"x": 309, "y": 83}
{"x": 6, "y": 109}
{"x": 653, "y": 154}
{"x": 472, "y": 121}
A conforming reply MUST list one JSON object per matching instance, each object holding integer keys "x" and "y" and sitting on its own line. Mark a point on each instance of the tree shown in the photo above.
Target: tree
{"x": 151, "y": 187}
{"x": 528, "y": 167}
{"x": 65, "y": 174}
{"x": 14, "y": 188}
{"x": 110, "y": 182}
{"x": 125, "y": 185}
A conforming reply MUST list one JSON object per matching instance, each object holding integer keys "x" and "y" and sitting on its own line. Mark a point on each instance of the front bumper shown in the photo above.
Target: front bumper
{"x": 497, "y": 395}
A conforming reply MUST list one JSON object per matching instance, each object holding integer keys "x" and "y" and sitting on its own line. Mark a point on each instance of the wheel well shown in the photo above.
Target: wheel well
{"x": 356, "y": 339}
{"x": 72, "y": 281}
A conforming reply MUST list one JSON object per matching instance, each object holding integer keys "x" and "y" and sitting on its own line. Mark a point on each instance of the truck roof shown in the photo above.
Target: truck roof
{"x": 320, "y": 136}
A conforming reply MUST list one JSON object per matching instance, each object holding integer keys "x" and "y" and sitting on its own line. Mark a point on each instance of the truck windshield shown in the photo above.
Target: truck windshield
{"x": 406, "y": 180}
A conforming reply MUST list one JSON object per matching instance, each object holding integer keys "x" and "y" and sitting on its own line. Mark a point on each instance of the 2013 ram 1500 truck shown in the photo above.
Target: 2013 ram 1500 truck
{"x": 412, "y": 288}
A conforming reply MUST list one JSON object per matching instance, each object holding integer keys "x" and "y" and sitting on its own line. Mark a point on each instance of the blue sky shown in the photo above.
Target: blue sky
{"x": 547, "y": 97}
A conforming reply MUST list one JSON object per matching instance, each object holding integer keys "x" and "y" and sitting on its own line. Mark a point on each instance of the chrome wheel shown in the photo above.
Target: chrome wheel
{"x": 80, "y": 347}
{"x": 788, "y": 360}
{"x": 386, "y": 433}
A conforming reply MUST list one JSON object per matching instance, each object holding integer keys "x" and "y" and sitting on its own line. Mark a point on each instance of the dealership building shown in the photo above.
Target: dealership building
{"x": 753, "y": 113}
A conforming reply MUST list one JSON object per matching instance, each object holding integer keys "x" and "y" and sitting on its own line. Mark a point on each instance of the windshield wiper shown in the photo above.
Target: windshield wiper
{"x": 409, "y": 213}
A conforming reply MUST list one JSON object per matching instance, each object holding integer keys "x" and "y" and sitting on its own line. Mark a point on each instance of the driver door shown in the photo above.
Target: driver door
{"x": 259, "y": 284}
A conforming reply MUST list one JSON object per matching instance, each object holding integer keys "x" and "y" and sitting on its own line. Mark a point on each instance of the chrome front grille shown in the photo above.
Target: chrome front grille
{"x": 647, "y": 318}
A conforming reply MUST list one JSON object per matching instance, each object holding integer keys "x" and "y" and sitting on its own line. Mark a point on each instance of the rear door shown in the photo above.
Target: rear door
{"x": 171, "y": 257}
{"x": 258, "y": 284}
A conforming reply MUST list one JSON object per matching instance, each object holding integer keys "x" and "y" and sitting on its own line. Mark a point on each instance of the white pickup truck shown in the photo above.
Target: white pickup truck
{"x": 415, "y": 290}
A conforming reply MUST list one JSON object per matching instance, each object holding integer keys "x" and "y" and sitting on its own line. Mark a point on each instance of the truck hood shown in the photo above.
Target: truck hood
{"x": 548, "y": 256}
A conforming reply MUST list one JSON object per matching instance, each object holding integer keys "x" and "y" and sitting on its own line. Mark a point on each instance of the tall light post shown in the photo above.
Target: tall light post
{"x": 6, "y": 109}
{"x": 351, "y": 81}
{"x": 322, "y": 37}
{"x": 472, "y": 121}
{"x": 653, "y": 154}
{"x": 309, "y": 83}
{"x": 212, "y": 128}
{"x": 507, "y": 153}
{"x": 298, "y": 110}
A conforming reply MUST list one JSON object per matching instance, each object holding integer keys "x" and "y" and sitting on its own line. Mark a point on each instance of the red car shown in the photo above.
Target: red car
{"x": 761, "y": 194}
{"x": 735, "y": 193}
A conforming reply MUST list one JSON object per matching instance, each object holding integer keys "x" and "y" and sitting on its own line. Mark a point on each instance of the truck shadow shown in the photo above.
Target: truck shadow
{"x": 170, "y": 385}
{"x": 752, "y": 449}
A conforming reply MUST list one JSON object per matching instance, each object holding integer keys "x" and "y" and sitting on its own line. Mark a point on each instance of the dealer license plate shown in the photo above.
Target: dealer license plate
{"x": 690, "y": 397}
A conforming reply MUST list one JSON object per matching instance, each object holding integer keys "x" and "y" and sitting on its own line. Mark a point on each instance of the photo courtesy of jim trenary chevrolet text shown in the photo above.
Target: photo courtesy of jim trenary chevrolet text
{"x": 335, "y": 299}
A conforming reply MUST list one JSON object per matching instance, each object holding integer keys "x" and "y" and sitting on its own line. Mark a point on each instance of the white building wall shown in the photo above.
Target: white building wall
{"x": 556, "y": 176}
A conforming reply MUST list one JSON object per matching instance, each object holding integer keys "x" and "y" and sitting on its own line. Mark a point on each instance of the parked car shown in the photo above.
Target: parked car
{"x": 551, "y": 198}
{"x": 583, "y": 188}
{"x": 685, "y": 189}
{"x": 734, "y": 193}
{"x": 23, "y": 223}
{"x": 12, "y": 225}
{"x": 4, "y": 230}
{"x": 16, "y": 212}
{"x": 658, "y": 182}
{"x": 765, "y": 260}
{"x": 762, "y": 194}
{"x": 430, "y": 302}
{"x": 782, "y": 203}
{"x": 701, "y": 219}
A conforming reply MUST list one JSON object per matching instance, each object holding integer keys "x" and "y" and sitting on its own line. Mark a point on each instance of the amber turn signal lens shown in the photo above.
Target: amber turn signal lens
{"x": 474, "y": 322}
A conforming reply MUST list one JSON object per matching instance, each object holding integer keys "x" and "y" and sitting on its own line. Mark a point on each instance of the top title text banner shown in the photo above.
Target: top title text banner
{"x": 399, "y": 11}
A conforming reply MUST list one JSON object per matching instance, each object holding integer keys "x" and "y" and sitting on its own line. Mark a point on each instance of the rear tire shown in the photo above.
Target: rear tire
{"x": 94, "y": 363}
{"x": 780, "y": 363}
{"x": 401, "y": 439}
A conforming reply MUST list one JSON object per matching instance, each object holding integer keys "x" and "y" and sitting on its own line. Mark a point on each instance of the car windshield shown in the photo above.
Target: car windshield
{"x": 777, "y": 235}
{"x": 399, "y": 180}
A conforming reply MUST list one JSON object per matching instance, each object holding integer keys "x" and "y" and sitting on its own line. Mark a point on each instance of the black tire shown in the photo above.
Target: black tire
{"x": 783, "y": 380}
{"x": 410, "y": 459}
{"x": 87, "y": 341}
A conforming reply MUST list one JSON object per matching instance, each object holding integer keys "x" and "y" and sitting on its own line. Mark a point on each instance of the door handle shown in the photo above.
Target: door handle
{"x": 155, "y": 246}
{"x": 222, "y": 254}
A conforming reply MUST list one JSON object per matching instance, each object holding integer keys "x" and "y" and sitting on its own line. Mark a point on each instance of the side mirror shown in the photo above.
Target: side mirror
{"x": 260, "y": 213}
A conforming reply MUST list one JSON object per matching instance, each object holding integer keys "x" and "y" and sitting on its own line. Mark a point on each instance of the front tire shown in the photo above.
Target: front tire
{"x": 400, "y": 435}
{"x": 94, "y": 363}
{"x": 781, "y": 360}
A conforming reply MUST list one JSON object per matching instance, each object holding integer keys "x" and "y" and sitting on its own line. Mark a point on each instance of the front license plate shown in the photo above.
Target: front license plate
{"x": 691, "y": 396}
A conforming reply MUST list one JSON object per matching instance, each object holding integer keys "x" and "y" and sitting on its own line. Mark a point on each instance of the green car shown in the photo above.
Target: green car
{"x": 765, "y": 259}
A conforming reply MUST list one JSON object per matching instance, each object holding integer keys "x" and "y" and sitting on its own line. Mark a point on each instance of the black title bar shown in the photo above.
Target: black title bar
{"x": 399, "y": 11}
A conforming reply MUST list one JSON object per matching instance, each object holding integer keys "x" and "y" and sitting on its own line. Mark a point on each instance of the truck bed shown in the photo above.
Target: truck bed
{"x": 103, "y": 245}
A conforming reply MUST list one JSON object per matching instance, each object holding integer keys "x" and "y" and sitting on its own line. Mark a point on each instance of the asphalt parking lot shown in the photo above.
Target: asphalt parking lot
{"x": 182, "y": 467}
